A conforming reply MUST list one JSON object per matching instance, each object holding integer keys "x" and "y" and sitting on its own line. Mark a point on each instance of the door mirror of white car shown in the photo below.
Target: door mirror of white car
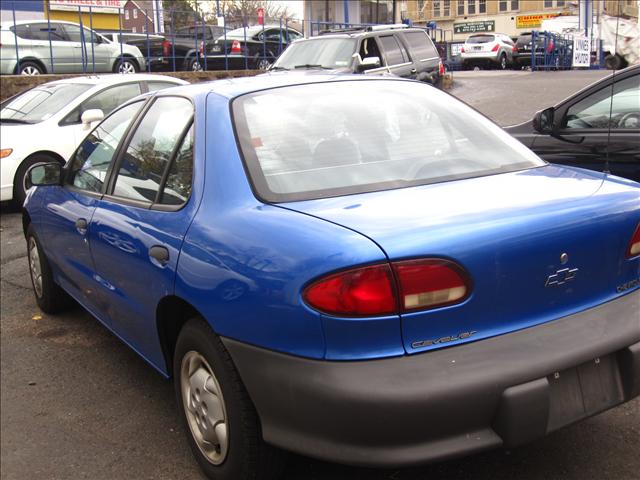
{"x": 42, "y": 174}
{"x": 369, "y": 63}
{"x": 89, "y": 117}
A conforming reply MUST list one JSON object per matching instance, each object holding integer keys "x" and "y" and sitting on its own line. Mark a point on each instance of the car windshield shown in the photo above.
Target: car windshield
{"x": 318, "y": 140}
{"x": 480, "y": 39}
{"x": 325, "y": 53}
{"x": 40, "y": 103}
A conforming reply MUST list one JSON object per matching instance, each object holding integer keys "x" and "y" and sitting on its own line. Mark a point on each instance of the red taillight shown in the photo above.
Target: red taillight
{"x": 202, "y": 47}
{"x": 550, "y": 47}
{"x": 429, "y": 283}
{"x": 461, "y": 49}
{"x": 358, "y": 292}
{"x": 634, "y": 245}
{"x": 515, "y": 49}
{"x": 235, "y": 47}
{"x": 441, "y": 68}
{"x": 166, "y": 46}
{"x": 375, "y": 290}
{"x": 495, "y": 48}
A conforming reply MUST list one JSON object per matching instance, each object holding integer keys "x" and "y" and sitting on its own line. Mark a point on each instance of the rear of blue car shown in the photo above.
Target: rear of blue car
{"x": 391, "y": 277}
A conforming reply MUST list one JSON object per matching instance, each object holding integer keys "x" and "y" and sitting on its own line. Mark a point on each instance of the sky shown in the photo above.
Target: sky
{"x": 295, "y": 6}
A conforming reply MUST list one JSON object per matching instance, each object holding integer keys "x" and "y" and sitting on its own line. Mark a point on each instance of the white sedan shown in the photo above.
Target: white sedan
{"x": 44, "y": 123}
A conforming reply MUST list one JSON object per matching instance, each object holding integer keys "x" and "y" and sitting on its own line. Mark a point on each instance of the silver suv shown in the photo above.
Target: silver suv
{"x": 62, "y": 47}
{"x": 488, "y": 49}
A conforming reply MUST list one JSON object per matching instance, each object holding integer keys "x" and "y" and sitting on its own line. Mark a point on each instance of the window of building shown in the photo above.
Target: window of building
{"x": 460, "y": 7}
{"x": 133, "y": 29}
{"x": 436, "y": 8}
{"x": 560, "y": 3}
{"x": 471, "y": 7}
{"x": 421, "y": 7}
{"x": 548, "y": 3}
{"x": 447, "y": 8}
{"x": 135, "y": 13}
{"x": 515, "y": 5}
{"x": 502, "y": 6}
{"x": 482, "y": 6}
{"x": 126, "y": 14}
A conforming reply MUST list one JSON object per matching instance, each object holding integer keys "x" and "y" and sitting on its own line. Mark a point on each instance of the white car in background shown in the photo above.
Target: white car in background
{"x": 45, "y": 124}
{"x": 488, "y": 49}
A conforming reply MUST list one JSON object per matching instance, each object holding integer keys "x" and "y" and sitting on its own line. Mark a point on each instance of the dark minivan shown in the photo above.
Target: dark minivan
{"x": 385, "y": 49}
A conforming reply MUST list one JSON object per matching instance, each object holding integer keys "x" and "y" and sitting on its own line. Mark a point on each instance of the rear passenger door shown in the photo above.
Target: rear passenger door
{"x": 139, "y": 224}
{"x": 397, "y": 57}
{"x": 424, "y": 54}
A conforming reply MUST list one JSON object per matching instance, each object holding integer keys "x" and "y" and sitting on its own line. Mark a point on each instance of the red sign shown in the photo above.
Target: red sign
{"x": 261, "y": 16}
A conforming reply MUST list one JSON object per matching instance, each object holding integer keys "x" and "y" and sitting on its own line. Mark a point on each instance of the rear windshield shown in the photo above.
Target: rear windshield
{"x": 337, "y": 138}
{"x": 480, "y": 39}
{"x": 325, "y": 53}
{"x": 40, "y": 103}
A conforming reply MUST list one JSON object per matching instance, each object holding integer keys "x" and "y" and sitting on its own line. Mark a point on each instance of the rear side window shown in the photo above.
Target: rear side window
{"x": 151, "y": 149}
{"x": 320, "y": 140}
{"x": 394, "y": 52}
{"x": 421, "y": 45}
{"x": 39, "y": 31}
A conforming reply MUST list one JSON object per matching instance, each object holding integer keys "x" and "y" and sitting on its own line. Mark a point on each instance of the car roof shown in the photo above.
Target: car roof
{"x": 115, "y": 78}
{"x": 235, "y": 87}
{"x": 5, "y": 25}
{"x": 364, "y": 32}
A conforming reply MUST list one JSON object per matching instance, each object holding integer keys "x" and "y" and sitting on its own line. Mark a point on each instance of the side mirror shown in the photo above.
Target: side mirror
{"x": 369, "y": 63}
{"x": 543, "y": 121}
{"x": 90, "y": 116}
{"x": 42, "y": 174}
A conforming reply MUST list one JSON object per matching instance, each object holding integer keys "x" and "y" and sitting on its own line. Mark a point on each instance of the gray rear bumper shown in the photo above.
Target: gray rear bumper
{"x": 403, "y": 411}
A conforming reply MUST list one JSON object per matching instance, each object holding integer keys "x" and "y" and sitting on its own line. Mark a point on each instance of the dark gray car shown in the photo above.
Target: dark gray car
{"x": 405, "y": 52}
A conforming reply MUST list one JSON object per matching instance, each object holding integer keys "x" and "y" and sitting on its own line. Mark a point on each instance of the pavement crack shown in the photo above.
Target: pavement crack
{"x": 11, "y": 258}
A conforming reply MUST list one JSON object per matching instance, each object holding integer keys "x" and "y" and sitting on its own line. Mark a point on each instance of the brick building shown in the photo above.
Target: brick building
{"x": 137, "y": 15}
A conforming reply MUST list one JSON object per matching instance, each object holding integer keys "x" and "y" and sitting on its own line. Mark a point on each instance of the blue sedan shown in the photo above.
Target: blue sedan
{"x": 362, "y": 270}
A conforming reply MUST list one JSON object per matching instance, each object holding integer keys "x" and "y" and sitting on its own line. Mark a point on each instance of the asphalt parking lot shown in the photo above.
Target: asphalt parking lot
{"x": 77, "y": 403}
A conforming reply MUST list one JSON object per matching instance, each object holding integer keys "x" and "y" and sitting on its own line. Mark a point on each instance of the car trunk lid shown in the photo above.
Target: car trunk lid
{"x": 537, "y": 244}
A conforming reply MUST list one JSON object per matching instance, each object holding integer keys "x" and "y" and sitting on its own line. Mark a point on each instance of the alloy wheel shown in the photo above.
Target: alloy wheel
{"x": 204, "y": 407}
{"x": 29, "y": 70}
{"x": 35, "y": 269}
{"x": 127, "y": 67}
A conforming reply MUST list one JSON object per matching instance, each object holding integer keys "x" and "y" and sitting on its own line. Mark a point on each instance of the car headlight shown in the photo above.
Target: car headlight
{"x": 5, "y": 152}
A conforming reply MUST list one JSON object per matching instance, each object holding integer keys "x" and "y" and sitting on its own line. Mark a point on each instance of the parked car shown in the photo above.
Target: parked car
{"x": 155, "y": 48}
{"x": 44, "y": 124}
{"x": 253, "y": 47}
{"x": 72, "y": 49}
{"x": 488, "y": 49}
{"x": 589, "y": 130}
{"x": 551, "y": 50}
{"x": 189, "y": 44}
{"x": 408, "y": 258}
{"x": 405, "y": 52}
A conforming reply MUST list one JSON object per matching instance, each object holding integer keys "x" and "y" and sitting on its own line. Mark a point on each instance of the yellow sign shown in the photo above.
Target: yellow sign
{"x": 533, "y": 21}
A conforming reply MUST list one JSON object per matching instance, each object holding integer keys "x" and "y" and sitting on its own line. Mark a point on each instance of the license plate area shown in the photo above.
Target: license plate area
{"x": 583, "y": 391}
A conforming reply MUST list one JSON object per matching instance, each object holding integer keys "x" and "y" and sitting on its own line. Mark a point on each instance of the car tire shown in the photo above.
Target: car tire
{"x": 19, "y": 192}
{"x": 613, "y": 62}
{"x": 262, "y": 63}
{"x": 29, "y": 68}
{"x": 503, "y": 62}
{"x": 217, "y": 414}
{"x": 49, "y": 296}
{"x": 126, "y": 65}
{"x": 195, "y": 65}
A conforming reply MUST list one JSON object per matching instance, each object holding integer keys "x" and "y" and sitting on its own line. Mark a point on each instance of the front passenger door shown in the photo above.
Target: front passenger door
{"x": 138, "y": 226}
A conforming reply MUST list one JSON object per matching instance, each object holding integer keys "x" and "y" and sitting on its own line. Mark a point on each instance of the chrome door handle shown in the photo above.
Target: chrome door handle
{"x": 159, "y": 254}
{"x": 413, "y": 70}
{"x": 81, "y": 226}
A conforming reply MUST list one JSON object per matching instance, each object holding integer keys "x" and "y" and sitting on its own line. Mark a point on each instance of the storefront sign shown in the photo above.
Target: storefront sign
{"x": 581, "y": 51}
{"x": 98, "y": 6}
{"x": 473, "y": 27}
{"x": 533, "y": 21}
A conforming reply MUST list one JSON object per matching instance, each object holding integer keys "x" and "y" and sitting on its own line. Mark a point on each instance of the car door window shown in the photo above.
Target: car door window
{"x": 106, "y": 100}
{"x": 369, "y": 48}
{"x": 421, "y": 45}
{"x": 91, "y": 161}
{"x": 598, "y": 111}
{"x": 151, "y": 148}
{"x": 73, "y": 33}
{"x": 39, "y": 31}
{"x": 272, "y": 35}
{"x": 153, "y": 86}
{"x": 394, "y": 52}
